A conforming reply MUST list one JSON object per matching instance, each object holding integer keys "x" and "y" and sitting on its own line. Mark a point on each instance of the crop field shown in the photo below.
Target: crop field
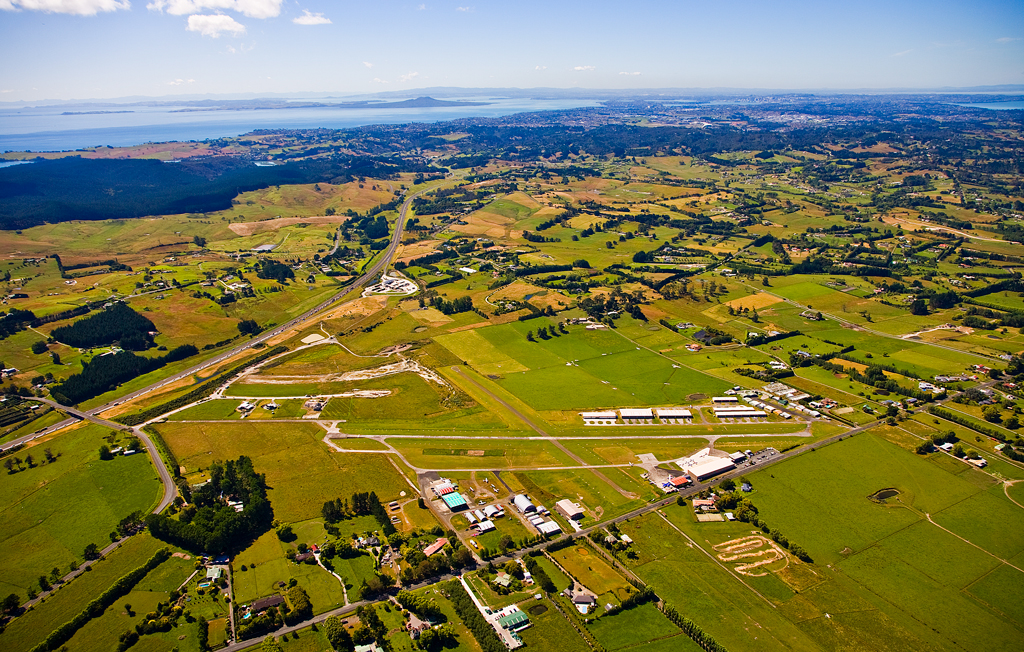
{"x": 52, "y": 510}
{"x": 302, "y": 471}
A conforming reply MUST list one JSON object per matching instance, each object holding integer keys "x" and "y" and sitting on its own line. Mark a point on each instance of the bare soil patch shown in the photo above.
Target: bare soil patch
{"x": 250, "y": 228}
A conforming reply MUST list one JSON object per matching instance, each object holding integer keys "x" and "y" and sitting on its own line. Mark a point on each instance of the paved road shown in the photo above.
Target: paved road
{"x": 368, "y": 275}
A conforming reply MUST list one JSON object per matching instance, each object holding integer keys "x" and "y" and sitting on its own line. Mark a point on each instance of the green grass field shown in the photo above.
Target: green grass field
{"x": 26, "y": 631}
{"x": 631, "y": 627}
{"x": 52, "y": 511}
{"x": 302, "y": 471}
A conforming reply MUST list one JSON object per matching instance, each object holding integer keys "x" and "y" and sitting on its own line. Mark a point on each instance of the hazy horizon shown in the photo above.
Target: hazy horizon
{"x": 102, "y": 49}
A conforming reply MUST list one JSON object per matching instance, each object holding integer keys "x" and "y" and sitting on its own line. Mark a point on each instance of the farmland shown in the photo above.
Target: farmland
{"x": 818, "y": 285}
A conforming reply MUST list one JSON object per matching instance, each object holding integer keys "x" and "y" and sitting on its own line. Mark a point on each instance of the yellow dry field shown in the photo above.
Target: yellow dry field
{"x": 758, "y": 301}
{"x": 485, "y": 223}
{"x": 416, "y": 250}
{"x": 429, "y": 316}
{"x": 251, "y": 228}
{"x": 360, "y": 307}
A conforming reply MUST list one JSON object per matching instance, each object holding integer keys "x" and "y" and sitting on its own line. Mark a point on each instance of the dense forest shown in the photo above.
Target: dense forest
{"x": 105, "y": 372}
{"x": 209, "y": 524}
{"x": 98, "y": 189}
{"x": 118, "y": 323}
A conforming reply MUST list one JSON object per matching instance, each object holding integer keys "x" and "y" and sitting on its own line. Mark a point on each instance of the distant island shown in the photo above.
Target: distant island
{"x": 93, "y": 112}
{"x": 258, "y": 105}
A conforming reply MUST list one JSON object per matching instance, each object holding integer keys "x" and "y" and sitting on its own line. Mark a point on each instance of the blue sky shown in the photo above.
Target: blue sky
{"x": 78, "y": 49}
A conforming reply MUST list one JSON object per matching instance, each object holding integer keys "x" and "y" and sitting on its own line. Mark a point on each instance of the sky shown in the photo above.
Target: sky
{"x": 95, "y": 49}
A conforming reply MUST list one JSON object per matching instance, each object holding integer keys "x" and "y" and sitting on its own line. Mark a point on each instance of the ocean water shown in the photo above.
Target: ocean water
{"x": 996, "y": 106}
{"x": 45, "y": 129}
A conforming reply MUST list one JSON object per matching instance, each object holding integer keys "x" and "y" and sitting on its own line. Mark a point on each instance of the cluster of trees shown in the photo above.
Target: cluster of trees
{"x": 104, "y": 373}
{"x": 100, "y": 603}
{"x": 300, "y": 607}
{"x": 337, "y": 635}
{"x": 421, "y": 606}
{"x": 271, "y": 269}
{"x": 547, "y": 332}
{"x": 533, "y": 237}
{"x": 209, "y": 524}
{"x": 372, "y": 628}
{"x": 249, "y": 327}
{"x": 949, "y": 415}
{"x": 462, "y": 304}
{"x": 15, "y": 321}
{"x": 937, "y": 439}
{"x": 118, "y": 323}
{"x": 481, "y": 630}
{"x": 362, "y": 504}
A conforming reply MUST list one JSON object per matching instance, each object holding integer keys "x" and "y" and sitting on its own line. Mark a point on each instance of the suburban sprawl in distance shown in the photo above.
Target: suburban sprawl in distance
{"x": 645, "y": 377}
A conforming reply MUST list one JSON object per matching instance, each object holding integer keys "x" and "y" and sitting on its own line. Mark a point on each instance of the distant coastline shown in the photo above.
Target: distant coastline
{"x": 93, "y": 112}
{"x": 418, "y": 103}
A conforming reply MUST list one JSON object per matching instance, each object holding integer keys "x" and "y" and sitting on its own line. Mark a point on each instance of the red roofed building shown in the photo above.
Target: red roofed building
{"x": 435, "y": 547}
{"x": 679, "y": 481}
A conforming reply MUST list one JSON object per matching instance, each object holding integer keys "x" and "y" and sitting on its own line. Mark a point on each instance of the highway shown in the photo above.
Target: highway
{"x": 377, "y": 268}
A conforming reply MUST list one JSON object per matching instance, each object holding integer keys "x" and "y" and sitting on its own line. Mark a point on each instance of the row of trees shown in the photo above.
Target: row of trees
{"x": 481, "y": 630}
{"x": 104, "y": 373}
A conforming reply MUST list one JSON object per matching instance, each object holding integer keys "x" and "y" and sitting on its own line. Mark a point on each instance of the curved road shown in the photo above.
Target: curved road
{"x": 376, "y": 268}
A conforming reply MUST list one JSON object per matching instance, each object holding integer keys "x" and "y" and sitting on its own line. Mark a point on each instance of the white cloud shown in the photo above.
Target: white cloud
{"x": 540, "y": 67}
{"x": 250, "y": 8}
{"x": 368, "y": 64}
{"x": 422, "y": 7}
{"x": 308, "y": 18}
{"x": 78, "y": 7}
{"x": 901, "y": 54}
{"x": 214, "y": 25}
{"x": 630, "y": 73}
{"x": 579, "y": 68}
{"x": 464, "y": 9}
{"x": 1006, "y": 39}
{"x": 379, "y": 80}
{"x": 408, "y": 77}
{"x": 179, "y": 82}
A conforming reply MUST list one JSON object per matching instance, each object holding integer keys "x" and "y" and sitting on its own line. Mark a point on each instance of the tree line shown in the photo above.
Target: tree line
{"x": 105, "y": 372}
{"x": 118, "y": 323}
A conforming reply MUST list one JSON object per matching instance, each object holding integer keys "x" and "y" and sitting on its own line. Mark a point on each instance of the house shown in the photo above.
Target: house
{"x": 746, "y": 488}
{"x": 435, "y": 547}
{"x": 266, "y": 603}
{"x": 369, "y": 647}
{"x": 214, "y": 573}
{"x": 569, "y": 509}
{"x": 484, "y": 526}
{"x": 305, "y": 558}
{"x": 704, "y": 504}
{"x": 581, "y": 598}
{"x": 503, "y": 579}
{"x": 702, "y": 336}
